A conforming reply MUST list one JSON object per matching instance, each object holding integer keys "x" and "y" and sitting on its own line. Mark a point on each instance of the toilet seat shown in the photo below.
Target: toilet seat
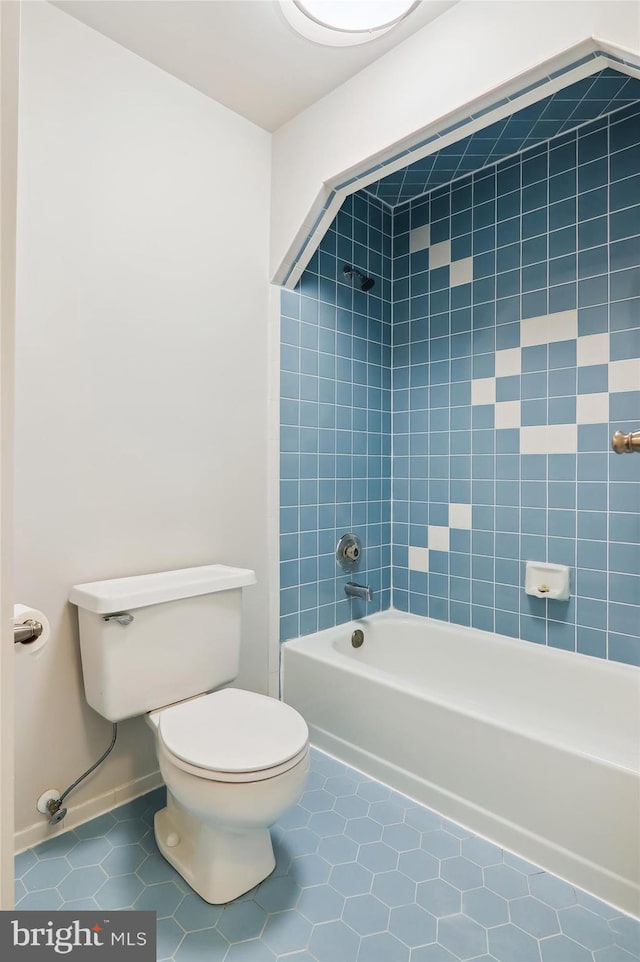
{"x": 233, "y": 736}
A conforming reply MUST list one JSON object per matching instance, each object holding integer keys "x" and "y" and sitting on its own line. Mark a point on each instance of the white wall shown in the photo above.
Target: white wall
{"x": 141, "y": 370}
{"x": 467, "y": 53}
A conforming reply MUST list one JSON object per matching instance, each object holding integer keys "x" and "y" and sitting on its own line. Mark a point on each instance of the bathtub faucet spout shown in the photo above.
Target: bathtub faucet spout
{"x": 353, "y": 590}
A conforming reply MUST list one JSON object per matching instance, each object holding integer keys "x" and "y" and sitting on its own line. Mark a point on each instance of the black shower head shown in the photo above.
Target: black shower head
{"x": 366, "y": 283}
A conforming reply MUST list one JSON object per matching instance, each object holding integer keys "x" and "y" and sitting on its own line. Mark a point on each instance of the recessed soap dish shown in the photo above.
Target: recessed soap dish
{"x": 546, "y": 580}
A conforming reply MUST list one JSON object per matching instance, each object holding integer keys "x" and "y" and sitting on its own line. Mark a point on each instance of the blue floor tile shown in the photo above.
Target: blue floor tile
{"x": 362, "y": 874}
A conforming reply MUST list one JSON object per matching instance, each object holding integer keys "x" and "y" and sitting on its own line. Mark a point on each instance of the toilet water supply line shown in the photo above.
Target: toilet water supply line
{"x": 54, "y": 806}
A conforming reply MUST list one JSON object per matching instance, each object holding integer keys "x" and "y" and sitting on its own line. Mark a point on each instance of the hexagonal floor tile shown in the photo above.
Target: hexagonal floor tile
{"x": 347, "y": 885}
{"x": 626, "y": 932}
{"x": 366, "y": 914}
{"x": 485, "y": 907}
{"x": 46, "y": 875}
{"x": 413, "y": 925}
{"x": 461, "y": 873}
{"x": 402, "y": 837}
{"x": 196, "y": 946}
{"x": 552, "y": 890}
{"x": 194, "y": 913}
{"x": 386, "y": 812}
{"x": 585, "y": 928}
{"x": 327, "y": 823}
{"x": 287, "y": 932}
{"x": 534, "y": 917}
{"x": 507, "y": 943}
{"x": 317, "y": 801}
{"x": 377, "y": 856}
{"x": 26, "y": 860}
{"x": 155, "y": 868}
{"x": 462, "y": 936}
{"x": 341, "y": 785}
{"x": 373, "y": 791}
{"x": 351, "y": 879}
{"x": 441, "y": 844}
{"x": 253, "y": 950}
{"x": 333, "y": 940}
{"x": 351, "y": 806}
{"x": 125, "y": 833}
{"x": 480, "y": 851}
{"x": 418, "y": 865}
{"x": 310, "y": 870}
{"x": 242, "y": 920}
{"x": 438, "y": 897}
{"x": 337, "y": 850}
{"x": 506, "y": 881}
{"x": 162, "y": 898}
{"x": 363, "y": 830}
{"x": 559, "y": 947}
{"x": 394, "y": 888}
{"x": 96, "y": 827}
{"x": 321, "y": 903}
{"x": 278, "y": 894}
{"x": 422, "y": 819}
{"x": 90, "y": 851}
{"x": 169, "y": 935}
{"x": 56, "y": 847}
{"x": 82, "y": 882}
{"x": 300, "y": 841}
{"x": 42, "y": 899}
{"x": 124, "y": 860}
{"x": 432, "y": 953}
{"x": 119, "y": 893}
{"x": 382, "y": 948}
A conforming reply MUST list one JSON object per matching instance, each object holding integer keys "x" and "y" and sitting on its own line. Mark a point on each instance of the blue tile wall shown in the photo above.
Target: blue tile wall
{"x": 563, "y": 110}
{"x": 513, "y": 356}
{"x": 335, "y": 473}
{"x": 516, "y": 338}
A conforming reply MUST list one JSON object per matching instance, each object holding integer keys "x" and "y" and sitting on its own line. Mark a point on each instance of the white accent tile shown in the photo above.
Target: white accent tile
{"x": 418, "y": 559}
{"x": 592, "y": 408}
{"x": 562, "y": 326}
{"x": 483, "y": 390}
{"x": 438, "y": 538}
{"x": 460, "y": 516}
{"x": 624, "y": 375}
{"x": 507, "y": 414}
{"x": 461, "y": 272}
{"x": 508, "y": 362}
{"x": 440, "y": 255}
{"x": 418, "y": 239}
{"x": 593, "y": 349}
{"x": 549, "y": 439}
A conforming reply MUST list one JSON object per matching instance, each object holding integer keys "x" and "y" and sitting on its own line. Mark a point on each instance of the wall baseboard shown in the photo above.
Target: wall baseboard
{"x": 41, "y": 831}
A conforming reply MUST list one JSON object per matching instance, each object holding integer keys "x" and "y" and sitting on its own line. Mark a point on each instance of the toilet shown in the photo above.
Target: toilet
{"x": 163, "y": 645}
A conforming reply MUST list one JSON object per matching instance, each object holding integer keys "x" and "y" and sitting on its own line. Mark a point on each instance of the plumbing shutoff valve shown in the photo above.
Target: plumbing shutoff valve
{"x": 546, "y": 580}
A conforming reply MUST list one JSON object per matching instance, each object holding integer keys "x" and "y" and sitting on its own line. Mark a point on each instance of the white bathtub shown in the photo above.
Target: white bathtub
{"x": 536, "y": 749}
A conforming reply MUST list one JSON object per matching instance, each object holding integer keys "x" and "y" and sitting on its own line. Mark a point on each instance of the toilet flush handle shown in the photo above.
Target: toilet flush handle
{"x": 122, "y": 617}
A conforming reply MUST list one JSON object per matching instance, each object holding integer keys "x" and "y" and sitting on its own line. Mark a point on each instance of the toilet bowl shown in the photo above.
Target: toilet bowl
{"x": 233, "y": 762}
{"x": 163, "y": 646}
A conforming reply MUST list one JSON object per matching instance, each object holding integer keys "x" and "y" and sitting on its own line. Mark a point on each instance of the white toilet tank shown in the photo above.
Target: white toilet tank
{"x": 175, "y": 634}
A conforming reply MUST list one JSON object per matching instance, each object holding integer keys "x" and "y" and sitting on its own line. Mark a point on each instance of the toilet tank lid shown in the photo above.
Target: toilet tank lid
{"x": 122, "y": 594}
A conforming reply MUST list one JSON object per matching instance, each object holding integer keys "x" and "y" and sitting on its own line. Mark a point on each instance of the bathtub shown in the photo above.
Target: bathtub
{"x": 533, "y": 748}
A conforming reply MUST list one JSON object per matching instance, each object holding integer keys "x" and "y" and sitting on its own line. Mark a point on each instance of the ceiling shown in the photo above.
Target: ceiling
{"x": 565, "y": 110}
{"x": 242, "y": 53}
